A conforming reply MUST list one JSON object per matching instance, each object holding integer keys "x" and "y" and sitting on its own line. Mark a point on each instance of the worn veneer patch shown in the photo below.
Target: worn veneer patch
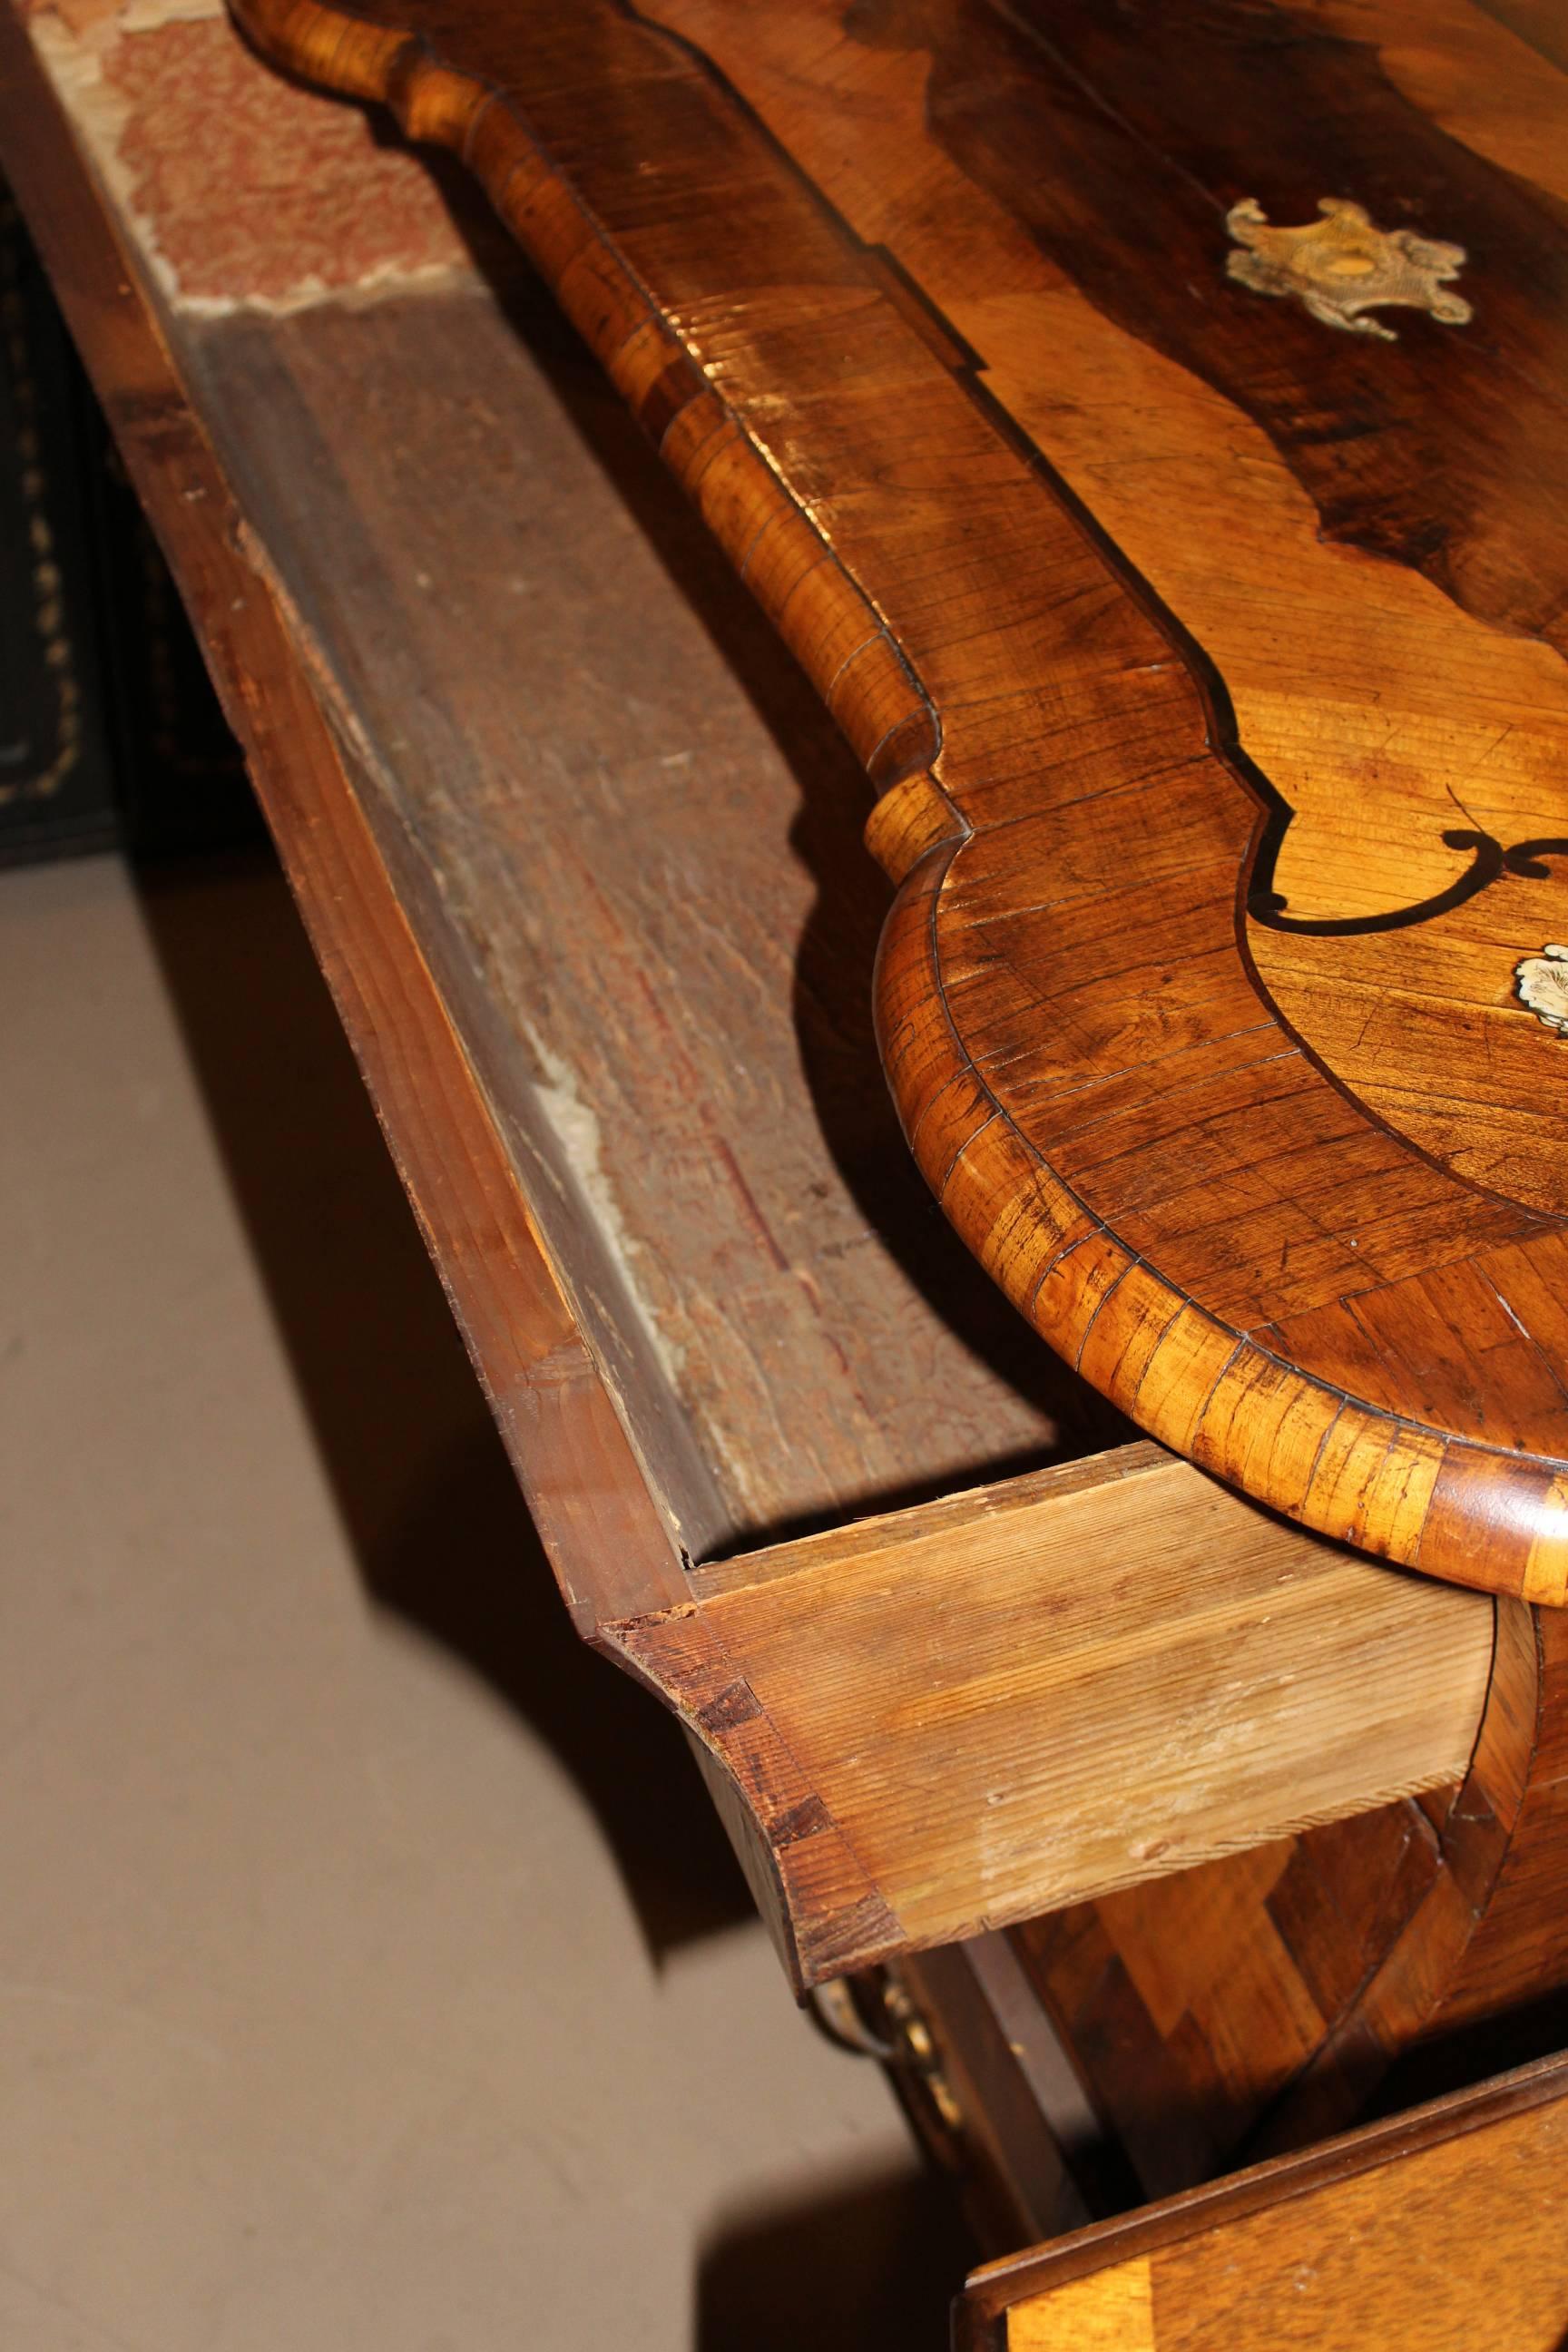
{"x": 239, "y": 188}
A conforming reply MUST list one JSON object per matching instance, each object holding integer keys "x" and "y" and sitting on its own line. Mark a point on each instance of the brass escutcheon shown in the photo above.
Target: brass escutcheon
{"x": 1341, "y": 267}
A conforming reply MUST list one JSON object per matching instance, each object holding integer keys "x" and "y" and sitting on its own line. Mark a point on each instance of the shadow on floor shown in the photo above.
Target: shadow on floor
{"x": 434, "y": 1513}
{"x": 869, "y": 2264}
{"x": 443, "y": 1536}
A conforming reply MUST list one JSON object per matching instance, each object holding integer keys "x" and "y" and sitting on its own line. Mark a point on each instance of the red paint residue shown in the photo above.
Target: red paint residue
{"x": 257, "y": 189}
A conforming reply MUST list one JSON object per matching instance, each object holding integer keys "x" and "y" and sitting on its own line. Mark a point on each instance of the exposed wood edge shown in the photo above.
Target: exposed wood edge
{"x": 826, "y": 1915}
{"x": 1483, "y": 1516}
{"x": 957, "y": 1717}
{"x": 617, "y": 1570}
{"x": 998, "y": 2288}
{"x": 610, "y": 1551}
{"x": 611, "y": 1321}
{"x": 573, "y": 1455}
{"x": 969, "y": 1505}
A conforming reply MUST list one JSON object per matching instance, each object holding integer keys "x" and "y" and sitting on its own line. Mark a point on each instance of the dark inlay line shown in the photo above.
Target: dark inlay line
{"x": 1490, "y": 862}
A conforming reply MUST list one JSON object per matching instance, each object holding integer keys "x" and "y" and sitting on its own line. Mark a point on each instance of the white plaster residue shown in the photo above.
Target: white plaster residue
{"x": 147, "y": 15}
{"x": 575, "y": 1125}
{"x": 387, "y": 278}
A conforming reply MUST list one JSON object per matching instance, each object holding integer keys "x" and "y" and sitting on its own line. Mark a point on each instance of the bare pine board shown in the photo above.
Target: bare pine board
{"x": 1139, "y": 1672}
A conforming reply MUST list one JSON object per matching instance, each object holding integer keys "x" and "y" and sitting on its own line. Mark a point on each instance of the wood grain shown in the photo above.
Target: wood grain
{"x": 1258, "y": 2003}
{"x": 1136, "y": 1670}
{"x": 1153, "y": 1149}
{"x": 1199, "y": 2006}
{"x": 1486, "y": 1939}
{"x": 655, "y": 923}
{"x": 607, "y": 1537}
{"x": 1443, "y": 2229}
{"x": 1365, "y": 698}
{"x": 980, "y": 1709}
{"x": 225, "y": 427}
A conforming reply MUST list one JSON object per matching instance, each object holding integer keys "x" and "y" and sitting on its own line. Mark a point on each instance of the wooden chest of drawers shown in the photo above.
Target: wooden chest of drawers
{"x": 1223, "y": 1816}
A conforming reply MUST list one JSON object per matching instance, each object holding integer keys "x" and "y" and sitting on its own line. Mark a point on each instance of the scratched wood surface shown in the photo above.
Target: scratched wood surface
{"x": 910, "y": 1765}
{"x": 1443, "y": 2231}
{"x": 450, "y": 789}
{"x": 662, "y": 923}
{"x": 1137, "y": 586}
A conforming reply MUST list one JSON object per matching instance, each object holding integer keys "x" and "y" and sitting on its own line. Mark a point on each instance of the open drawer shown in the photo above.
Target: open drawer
{"x": 580, "y": 855}
{"x": 1442, "y": 2230}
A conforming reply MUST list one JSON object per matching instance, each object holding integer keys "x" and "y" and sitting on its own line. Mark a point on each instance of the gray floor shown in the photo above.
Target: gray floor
{"x": 371, "y": 1972}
